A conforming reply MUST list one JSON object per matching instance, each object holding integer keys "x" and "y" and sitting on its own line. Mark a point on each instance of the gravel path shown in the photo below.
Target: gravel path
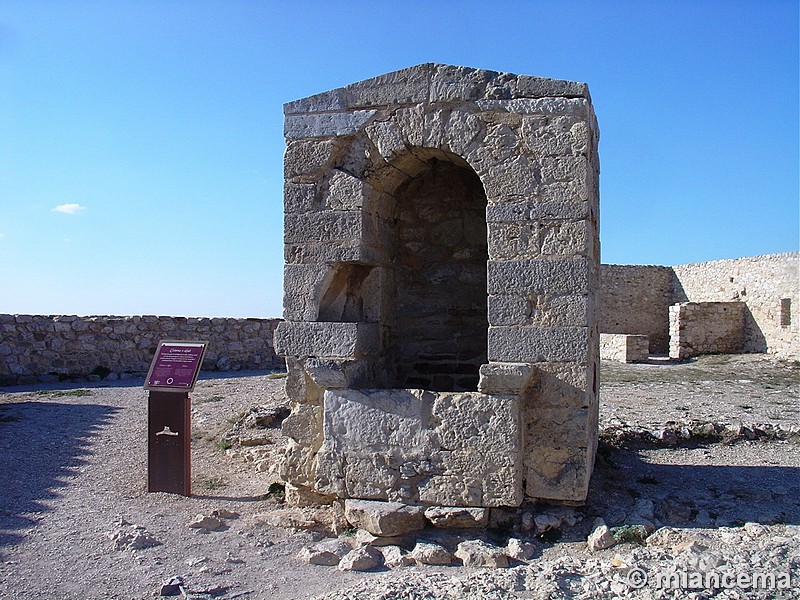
{"x": 76, "y": 520}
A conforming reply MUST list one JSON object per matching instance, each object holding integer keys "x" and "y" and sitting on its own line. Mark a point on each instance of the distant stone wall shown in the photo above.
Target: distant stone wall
{"x": 57, "y": 347}
{"x": 769, "y": 285}
{"x": 706, "y": 328}
{"x": 634, "y": 299}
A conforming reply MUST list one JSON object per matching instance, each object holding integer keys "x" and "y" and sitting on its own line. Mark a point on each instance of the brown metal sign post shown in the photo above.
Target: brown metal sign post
{"x": 173, "y": 374}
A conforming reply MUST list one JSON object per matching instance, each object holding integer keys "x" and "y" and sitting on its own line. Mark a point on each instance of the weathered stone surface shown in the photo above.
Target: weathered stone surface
{"x": 206, "y": 522}
{"x": 601, "y": 537}
{"x": 431, "y": 553}
{"x": 624, "y": 348}
{"x": 520, "y": 550}
{"x": 457, "y": 517}
{"x": 306, "y": 160}
{"x": 387, "y": 519}
{"x": 365, "y": 538}
{"x": 537, "y": 344}
{"x": 327, "y": 339}
{"x": 361, "y": 559}
{"x": 303, "y": 289}
{"x": 395, "y": 557}
{"x": 325, "y": 125}
{"x": 538, "y": 276}
{"x": 437, "y": 448}
{"x": 299, "y": 496}
{"x": 557, "y": 472}
{"x": 477, "y": 553}
{"x": 499, "y": 378}
{"x": 327, "y": 552}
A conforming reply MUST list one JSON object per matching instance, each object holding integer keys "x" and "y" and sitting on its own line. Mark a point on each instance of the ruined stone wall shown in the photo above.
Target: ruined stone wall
{"x": 52, "y": 347}
{"x": 769, "y": 286}
{"x": 706, "y": 328}
{"x": 634, "y": 299}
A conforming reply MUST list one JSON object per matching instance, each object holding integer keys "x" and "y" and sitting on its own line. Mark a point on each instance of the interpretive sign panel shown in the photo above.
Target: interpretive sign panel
{"x": 175, "y": 366}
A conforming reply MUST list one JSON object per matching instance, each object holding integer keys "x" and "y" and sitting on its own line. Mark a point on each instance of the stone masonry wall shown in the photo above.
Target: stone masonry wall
{"x": 634, "y": 300}
{"x": 706, "y": 328}
{"x": 441, "y": 233}
{"x": 55, "y": 347}
{"x": 770, "y": 287}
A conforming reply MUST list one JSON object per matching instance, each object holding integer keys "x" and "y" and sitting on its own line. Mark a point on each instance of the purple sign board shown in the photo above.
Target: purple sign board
{"x": 175, "y": 366}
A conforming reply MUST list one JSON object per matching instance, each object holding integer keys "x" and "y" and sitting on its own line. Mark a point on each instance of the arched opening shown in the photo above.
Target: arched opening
{"x": 439, "y": 322}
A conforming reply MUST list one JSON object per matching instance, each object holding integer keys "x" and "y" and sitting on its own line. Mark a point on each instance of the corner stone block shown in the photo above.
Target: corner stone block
{"x": 303, "y": 287}
{"x": 327, "y": 226}
{"x": 325, "y": 125}
{"x": 538, "y": 344}
{"x": 558, "y": 473}
{"x": 324, "y": 339}
{"x": 306, "y": 160}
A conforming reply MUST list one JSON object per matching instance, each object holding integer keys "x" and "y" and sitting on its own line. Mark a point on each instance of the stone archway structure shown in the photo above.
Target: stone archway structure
{"x": 442, "y": 260}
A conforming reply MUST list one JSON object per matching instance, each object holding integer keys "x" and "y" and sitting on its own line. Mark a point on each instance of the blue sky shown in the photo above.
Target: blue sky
{"x": 141, "y": 142}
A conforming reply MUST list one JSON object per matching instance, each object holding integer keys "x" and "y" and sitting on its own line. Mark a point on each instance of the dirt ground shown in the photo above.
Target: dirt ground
{"x": 76, "y": 520}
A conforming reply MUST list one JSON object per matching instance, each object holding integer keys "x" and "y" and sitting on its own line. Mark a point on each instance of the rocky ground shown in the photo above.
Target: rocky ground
{"x": 697, "y": 483}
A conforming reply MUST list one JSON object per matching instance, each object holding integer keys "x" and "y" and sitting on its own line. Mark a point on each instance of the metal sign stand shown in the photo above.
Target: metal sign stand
{"x": 169, "y": 447}
{"x": 173, "y": 374}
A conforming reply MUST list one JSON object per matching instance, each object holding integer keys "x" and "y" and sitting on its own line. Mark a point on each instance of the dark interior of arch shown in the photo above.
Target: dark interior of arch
{"x": 439, "y": 327}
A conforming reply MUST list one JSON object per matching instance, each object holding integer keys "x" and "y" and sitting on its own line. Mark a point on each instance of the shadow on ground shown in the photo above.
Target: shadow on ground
{"x": 695, "y": 495}
{"x": 42, "y": 448}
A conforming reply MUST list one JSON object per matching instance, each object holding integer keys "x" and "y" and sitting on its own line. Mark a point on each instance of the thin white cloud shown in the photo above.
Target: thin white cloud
{"x": 69, "y": 209}
{"x": 2, "y": 235}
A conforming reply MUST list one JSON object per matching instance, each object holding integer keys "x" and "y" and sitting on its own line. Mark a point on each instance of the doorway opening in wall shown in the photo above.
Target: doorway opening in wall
{"x": 786, "y": 312}
{"x": 439, "y": 325}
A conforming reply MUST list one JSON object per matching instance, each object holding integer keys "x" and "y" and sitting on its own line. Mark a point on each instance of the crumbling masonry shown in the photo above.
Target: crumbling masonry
{"x": 442, "y": 266}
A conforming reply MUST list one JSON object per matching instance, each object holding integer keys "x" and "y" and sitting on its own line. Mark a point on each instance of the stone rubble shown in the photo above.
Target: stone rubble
{"x": 626, "y": 571}
{"x": 127, "y": 536}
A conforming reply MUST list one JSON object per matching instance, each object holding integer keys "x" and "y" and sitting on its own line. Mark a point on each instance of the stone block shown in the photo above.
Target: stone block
{"x": 385, "y": 519}
{"x": 508, "y": 310}
{"x": 538, "y": 344}
{"x": 477, "y": 553}
{"x": 564, "y": 238}
{"x": 511, "y": 241}
{"x": 431, "y": 553}
{"x": 307, "y": 160}
{"x": 323, "y": 339}
{"x": 461, "y": 130}
{"x": 504, "y": 378}
{"x": 302, "y": 290}
{"x": 538, "y": 276}
{"x": 326, "y": 226}
{"x": 538, "y": 106}
{"x": 624, "y": 348}
{"x": 325, "y": 125}
{"x": 453, "y": 449}
{"x": 345, "y": 192}
{"x": 299, "y": 197}
{"x": 558, "y": 473}
{"x": 388, "y": 138}
{"x": 407, "y": 86}
{"x": 543, "y": 87}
